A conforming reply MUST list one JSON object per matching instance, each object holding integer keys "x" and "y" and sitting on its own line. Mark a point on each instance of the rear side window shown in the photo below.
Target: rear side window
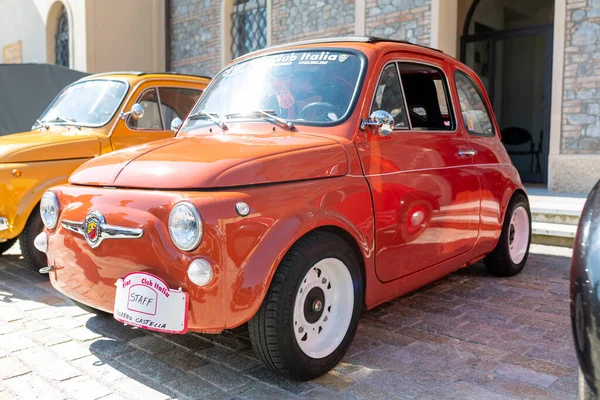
{"x": 475, "y": 114}
{"x": 427, "y": 97}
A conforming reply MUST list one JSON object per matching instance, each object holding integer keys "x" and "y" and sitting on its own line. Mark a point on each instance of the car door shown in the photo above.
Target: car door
{"x": 162, "y": 102}
{"x": 424, "y": 187}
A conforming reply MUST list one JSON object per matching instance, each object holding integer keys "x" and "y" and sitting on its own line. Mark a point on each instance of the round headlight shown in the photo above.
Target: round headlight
{"x": 185, "y": 226}
{"x": 49, "y": 210}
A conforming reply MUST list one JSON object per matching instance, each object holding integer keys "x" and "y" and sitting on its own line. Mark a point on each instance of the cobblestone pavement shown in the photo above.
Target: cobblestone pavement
{"x": 467, "y": 336}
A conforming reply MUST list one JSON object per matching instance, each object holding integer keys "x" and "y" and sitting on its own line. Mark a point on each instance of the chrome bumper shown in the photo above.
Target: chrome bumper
{"x": 3, "y": 224}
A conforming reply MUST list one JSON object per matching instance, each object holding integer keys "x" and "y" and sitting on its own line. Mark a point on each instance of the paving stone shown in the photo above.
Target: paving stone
{"x": 84, "y": 388}
{"x": 263, "y": 392}
{"x": 228, "y": 340}
{"x": 334, "y": 381}
{"x": 49, "y": 337}
{"x": 31, "y": 386}
{"x": 101, "y": 369}
{"x": 190, "y": 341}
{"x": 56, "y": 370}
{"x": 541, "y": 366}
{"x": 371, "y": 392}
{"x": 269, "y": 377}
{"x": 12, "y": 342}
{"x": 229, "y": 358}
{"x": 71, "y": 350}
{"x": 526, "y": 375}
{"x": 11, "y": 367}
{"x": 150, "y": 367}
{"x": 134, "y": 389}
{"x": 221, "y": 377}
{"x": 109, "y": 348}
{"x": 11, "y": 313}
{"x": 182, "y": 359}
{"x": 192, "y": 386}
{"x": 45, "y": 313}
{"x": 36, "y": 356}
{"x": 151, "y": 344}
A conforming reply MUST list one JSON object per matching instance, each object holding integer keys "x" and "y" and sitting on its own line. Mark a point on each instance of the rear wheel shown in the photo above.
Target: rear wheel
{"x": 310, "y": 314}
{"x": 34, "y": 258}
{"x": 510, "y": 255}
{"x": 4, "y": 246}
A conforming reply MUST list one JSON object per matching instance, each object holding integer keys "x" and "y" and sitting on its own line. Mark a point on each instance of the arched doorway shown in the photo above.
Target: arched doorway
{"x": 509, "y": 44}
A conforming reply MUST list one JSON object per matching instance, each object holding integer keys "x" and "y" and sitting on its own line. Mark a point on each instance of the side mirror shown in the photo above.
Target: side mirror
{"x": 137, "y": 112}
{"x": 381, "y": 120}
{"x": 176, "y": 124}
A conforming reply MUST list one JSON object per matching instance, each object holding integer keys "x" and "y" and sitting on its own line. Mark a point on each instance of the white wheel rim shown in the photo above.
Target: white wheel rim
{"x": 518, "y": 235}
{"x": 320, "y": 329}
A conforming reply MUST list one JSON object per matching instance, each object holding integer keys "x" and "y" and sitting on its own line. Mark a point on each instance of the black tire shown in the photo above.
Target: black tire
{"x": 499, "y": 261}
{"x": 272, "y": 330}
{"x": 4, "y": 246}
{"x": 33, "y": 258}
{"x": 585, "y": 391}
{"x": 89, "y": 309}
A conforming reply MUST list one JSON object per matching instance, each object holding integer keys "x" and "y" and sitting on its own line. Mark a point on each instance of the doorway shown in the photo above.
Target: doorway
{"x": 508, "y": 43}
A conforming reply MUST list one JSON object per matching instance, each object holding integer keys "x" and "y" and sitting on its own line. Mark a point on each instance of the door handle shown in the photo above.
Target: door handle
{"x": 466, "y": 153}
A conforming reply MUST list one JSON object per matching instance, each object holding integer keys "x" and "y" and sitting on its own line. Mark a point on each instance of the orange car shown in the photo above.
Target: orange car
{"x": 310, "y": 181}
{"x": 93, "y": 116}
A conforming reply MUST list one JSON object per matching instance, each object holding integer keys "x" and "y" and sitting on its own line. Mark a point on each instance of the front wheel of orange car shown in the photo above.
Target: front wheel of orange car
{"x": 510, "y": 255}
{"x": 33, "y": 258}
{"x": 311, "y": 311}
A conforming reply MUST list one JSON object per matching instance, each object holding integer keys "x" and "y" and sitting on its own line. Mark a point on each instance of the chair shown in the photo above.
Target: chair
{"x": 515, "y": 136}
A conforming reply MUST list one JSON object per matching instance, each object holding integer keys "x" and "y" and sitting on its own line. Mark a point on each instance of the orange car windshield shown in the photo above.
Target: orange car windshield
{"x": 306, "y": 87}
{"x": 90, "y": 103}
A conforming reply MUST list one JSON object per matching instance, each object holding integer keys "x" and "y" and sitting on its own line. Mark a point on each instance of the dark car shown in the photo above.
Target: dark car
{"x": 585, "y": 296}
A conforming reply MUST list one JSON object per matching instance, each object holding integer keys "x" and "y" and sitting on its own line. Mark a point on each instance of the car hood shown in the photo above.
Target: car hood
{"x": 219, "y": 160}
{"x": 45, "y": 145}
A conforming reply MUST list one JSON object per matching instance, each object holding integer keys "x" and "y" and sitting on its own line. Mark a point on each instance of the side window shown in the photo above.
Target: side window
{"x": 427, "y": 97}
{"x": 177, "y": 102}
{"x": 474, "y": 112}
{"x": 388, "y": 96}
{"x": 151, "y": 119}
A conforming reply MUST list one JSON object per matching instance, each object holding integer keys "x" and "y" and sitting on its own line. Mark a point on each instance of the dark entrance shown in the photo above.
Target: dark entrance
{"x": 509, "y": 44}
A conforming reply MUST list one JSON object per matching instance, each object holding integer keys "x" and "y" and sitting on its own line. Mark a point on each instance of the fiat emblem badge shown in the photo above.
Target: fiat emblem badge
{"x": 92, "y": 228}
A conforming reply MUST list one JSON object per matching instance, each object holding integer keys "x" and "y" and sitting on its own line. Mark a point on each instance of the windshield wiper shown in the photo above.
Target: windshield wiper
{"x": 270, "y": 114}
{"x": 214, "y": 119}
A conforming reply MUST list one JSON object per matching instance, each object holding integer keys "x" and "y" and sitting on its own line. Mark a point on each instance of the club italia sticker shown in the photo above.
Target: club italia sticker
{"x": 278, "y": 60}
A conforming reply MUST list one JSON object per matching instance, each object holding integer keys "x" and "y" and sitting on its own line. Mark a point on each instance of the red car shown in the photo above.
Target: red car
{"x": 309, "y": 181}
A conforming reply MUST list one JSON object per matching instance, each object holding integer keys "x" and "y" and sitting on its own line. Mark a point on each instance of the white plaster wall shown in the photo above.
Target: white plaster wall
{"x": 13, "y": 14}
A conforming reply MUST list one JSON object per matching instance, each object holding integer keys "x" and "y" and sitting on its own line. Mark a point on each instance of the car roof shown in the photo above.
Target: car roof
{"x": 342, "y": 39}
{"x": 141, "y": 75}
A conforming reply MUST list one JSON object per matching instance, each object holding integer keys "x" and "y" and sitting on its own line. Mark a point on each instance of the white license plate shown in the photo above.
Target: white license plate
{"x": 146, "y": 301}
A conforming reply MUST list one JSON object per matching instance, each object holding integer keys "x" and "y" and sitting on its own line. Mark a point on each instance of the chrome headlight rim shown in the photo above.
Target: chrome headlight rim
{"x": 49, "y": 196}
{"x": 199, "y": 223}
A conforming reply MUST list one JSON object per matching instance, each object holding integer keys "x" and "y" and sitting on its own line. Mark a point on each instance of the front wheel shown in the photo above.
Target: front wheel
{"x": 5, "y": 246}
{"x": 510, "y": 255}
{"x": 33, "y": 258}
{"x": 311, "y": 311}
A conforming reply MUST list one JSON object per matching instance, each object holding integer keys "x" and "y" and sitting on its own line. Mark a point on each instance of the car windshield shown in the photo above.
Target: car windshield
{"x": 307, "y": 87}
{"x": 88, "y": 103}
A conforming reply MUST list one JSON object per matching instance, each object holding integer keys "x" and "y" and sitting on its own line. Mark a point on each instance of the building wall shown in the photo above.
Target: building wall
{"x": 195, "y": 32}
{"x": 581, "y": 95}
{"x": 574, "y": 164}
{"x": 131, "y": 39}
{"x": 400, "y": 19}
{"x": 31, "y": 35}
{"x": 297, "y": 20}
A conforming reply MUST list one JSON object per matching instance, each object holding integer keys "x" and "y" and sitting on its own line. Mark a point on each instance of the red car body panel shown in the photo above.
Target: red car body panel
{"x": 339, "y": 178}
